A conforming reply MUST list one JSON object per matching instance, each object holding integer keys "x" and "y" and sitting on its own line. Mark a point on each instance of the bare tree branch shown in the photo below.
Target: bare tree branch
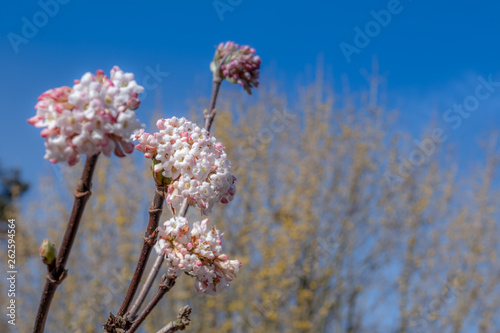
{"x": 58, "y": 273}
{"x": 167, "y": 282}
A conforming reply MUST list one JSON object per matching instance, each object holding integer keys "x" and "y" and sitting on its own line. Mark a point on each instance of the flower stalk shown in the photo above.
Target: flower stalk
{"x": 155, "y": 211}
{"x": 167, "y": 282}
{"x": 58, "y": 273}
{"x": 190, "y": 165}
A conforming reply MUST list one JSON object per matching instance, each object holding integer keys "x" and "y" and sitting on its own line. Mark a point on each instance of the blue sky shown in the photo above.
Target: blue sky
{"x": 430, "y": 53}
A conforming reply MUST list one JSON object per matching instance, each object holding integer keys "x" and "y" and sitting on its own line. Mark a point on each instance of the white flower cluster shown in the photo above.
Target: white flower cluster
{"x": 190, "y": 161}
{"x": 96, "y": 115}
{"x": 198, "y": 253}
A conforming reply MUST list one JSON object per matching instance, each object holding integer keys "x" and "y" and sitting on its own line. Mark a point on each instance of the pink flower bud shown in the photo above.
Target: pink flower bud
{"x": 99, "y": 74}
{"x": 33, "y": 120}
{"x": 237, "y": 65}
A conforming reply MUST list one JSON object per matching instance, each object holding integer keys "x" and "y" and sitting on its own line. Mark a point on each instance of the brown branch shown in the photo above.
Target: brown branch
{"x": 183, "y": 320}
{"x": 59, "y": 272}
{"x": 167, "y": 282}
{"x": 152, "y": 273}
{"x": 149, "y": 240}
{"x": 209, "y": 116}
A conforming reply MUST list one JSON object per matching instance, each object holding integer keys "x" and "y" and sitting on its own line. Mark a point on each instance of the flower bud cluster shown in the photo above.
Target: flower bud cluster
{"x": 237, "y": 65}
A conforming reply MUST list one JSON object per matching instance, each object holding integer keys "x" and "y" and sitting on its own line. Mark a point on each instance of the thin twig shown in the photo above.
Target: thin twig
{"x": 183, "y": 320}
{"x": 149, "y": 240}
{"x": 145, "y": 288}
{"x": 210, "y": 115}
{"x": 59, "y": 272}
{"x": 167, "y": 282}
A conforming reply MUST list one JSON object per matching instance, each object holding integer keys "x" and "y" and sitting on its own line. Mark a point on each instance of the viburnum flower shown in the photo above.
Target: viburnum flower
{"x": 237, "y": 65}
{"x": 197, "y": 252}
{"x": 95, "y": 115}
{"x": 190, "y": 162}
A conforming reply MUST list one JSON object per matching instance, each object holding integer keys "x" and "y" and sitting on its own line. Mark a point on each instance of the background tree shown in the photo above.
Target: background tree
{"x": 11, "y": 189}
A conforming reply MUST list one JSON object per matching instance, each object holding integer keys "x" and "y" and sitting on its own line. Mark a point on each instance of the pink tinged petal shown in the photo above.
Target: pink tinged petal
{"x": 158, "y": 168}
{"x": 99, "y": 74}
{"x": 118, "y": 151}
{"x": 108, "y": 148}
{"x": 73, "y": 160}
{"x": 47, "y": 133}
{"x": 34, "y": 120}
{"x": 127, "y": 146}
{"x": 41, "y": 105}
{"x": 59, "y": 108}
{"x": 178, "y": 254}
{"x": 199, "y": 286}
{"x": 160, "y": 124}
{"x": 140, "y": 148}
{"x": 133, "y": 103}
{"x": 151, "y": 149}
